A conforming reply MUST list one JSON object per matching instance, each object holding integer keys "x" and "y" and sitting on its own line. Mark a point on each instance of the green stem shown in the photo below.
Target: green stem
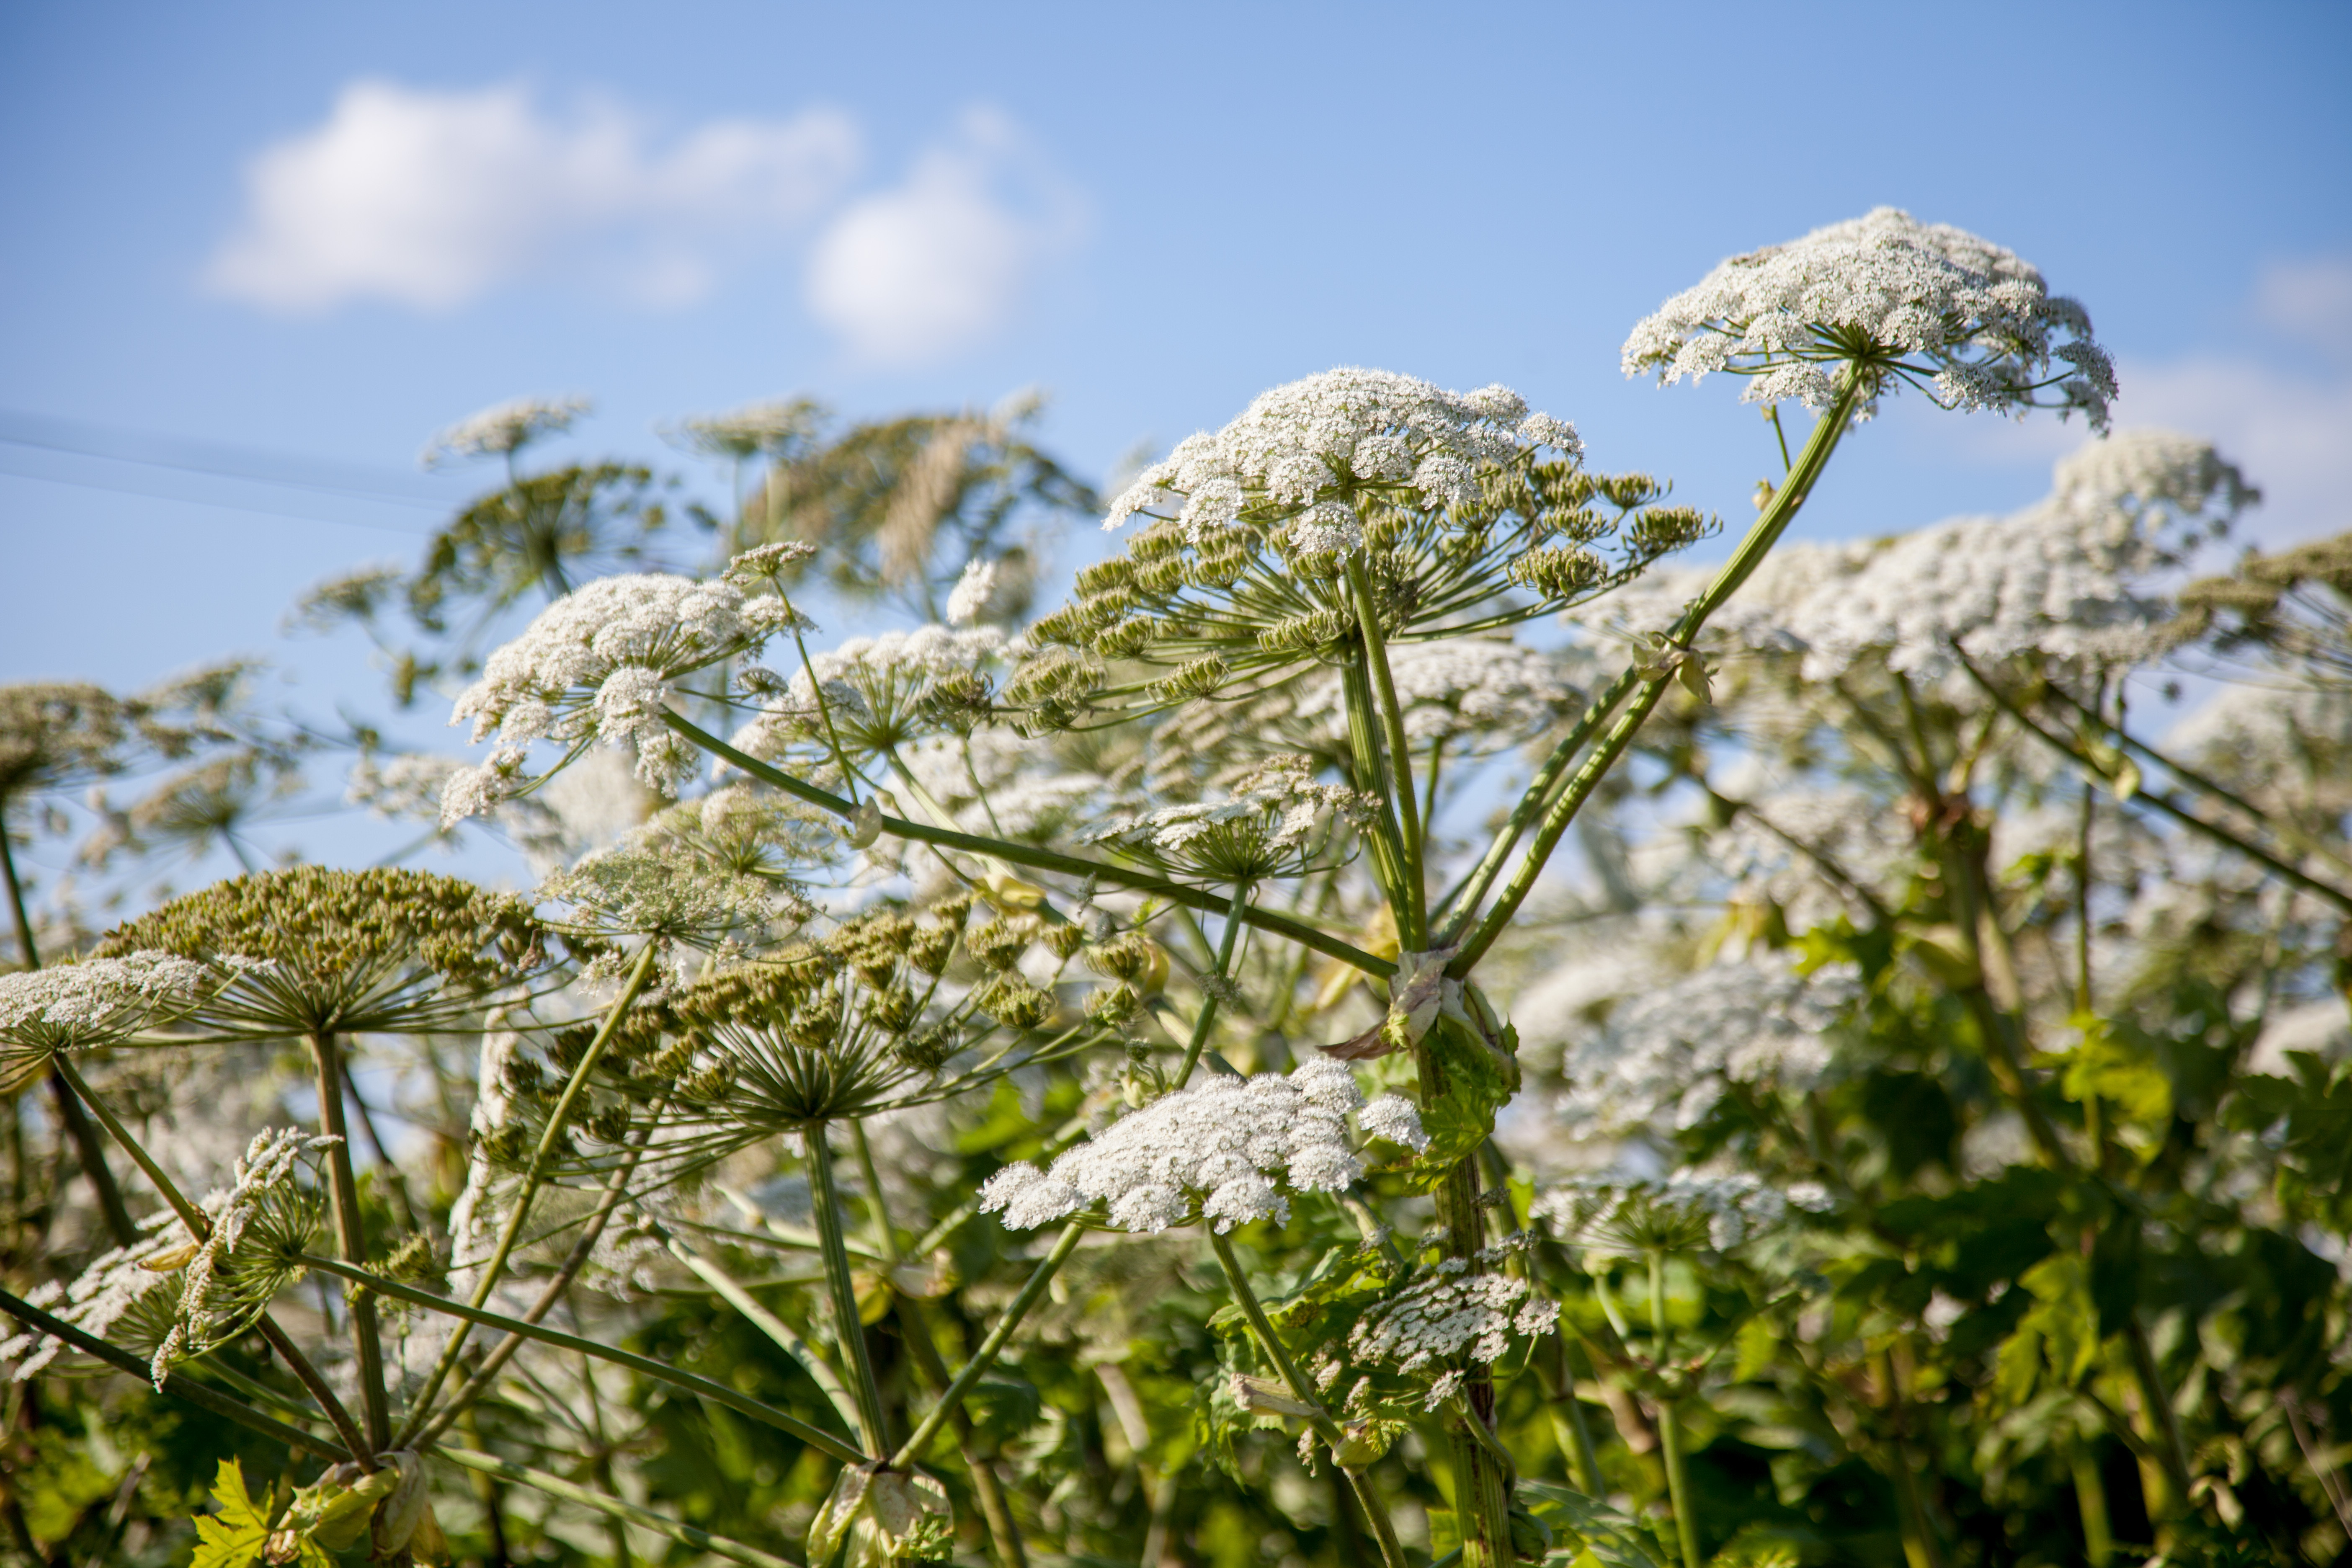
{"x": 1039, "y": 859}
{"x": 1466, "y": 896}
{"x": 2203, "y": 783}
{"x": 615, "y": 1508}
{"x": 1400, "y": 753}
{"x": 532, "y": 1177}
{"x": 2162, "y": 802}
{"x": 1385, "y": 842}
{"x": 1670, "y": 1432}
{"x": 823, "y": 1441}
{"x": 200, "y": 1225}
{"x": 1262, "y": 1330}
{"x": 91, "y": 1152}
{"x": 2171, "y": 1449}
{"x": 1218, "y": 973}
{"x": 173, "y": 1383}
{"x": 775, "y": 1328}
{"x": 848, "y": 1325}
{"x": 989, "y": 1348}
{"x": 2091, "y": 1502}
{"x": 350, "y": 1236}
{"x": 478, "y": 1383}
{"x": 1769, "y": 526}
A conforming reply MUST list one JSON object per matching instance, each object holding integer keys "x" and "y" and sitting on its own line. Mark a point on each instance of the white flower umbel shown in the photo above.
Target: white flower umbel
{"x": 1480, "y": 694}
{"x": 875, "y": 690}
{"x": 505, "y": 428}
{"x": 1302, "y": 451}
{"x": 596, "y": 665}
{"x": 95, "y": 1002}
{"x": 1895, "y": 299}
{"x": 1687, "y": 1210}
{"x": 969, "y": 598}
{"x": 112, "y": 1286}
{"x": 1214, "y": 1152}
{"x": 268, "y": 1166}
{"x": 1664, "y": 1056}
{"x": 1450, "y": 1312}
{"x": 2067, "y": 578}
{"x": 1268, "y": 824}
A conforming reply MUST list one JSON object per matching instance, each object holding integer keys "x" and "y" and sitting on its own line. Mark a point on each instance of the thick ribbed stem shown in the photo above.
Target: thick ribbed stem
{"x": 1399, "y": 750}
{"x": 864, "y": 1391}
{"x": 351, "y": 1235}
{"x": 1769, "y": 526}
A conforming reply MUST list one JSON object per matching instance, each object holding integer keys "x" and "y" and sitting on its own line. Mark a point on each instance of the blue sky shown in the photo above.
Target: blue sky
{"x": 328, "y": 230}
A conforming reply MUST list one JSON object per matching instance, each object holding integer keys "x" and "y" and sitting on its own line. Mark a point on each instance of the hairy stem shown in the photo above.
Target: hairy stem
{"x": 1400, "y": 752}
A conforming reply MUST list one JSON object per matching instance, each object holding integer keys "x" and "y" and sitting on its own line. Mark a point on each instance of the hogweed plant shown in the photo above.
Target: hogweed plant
{"x": 1101, "y": 1091}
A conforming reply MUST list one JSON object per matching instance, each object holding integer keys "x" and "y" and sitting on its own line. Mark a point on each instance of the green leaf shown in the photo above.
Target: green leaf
{"x": 231, "y": 1537}
{"x": 1591, "y": 1533}
{"x": 1478, "y": 1080}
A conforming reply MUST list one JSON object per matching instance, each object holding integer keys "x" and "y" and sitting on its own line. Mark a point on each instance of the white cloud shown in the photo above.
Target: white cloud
{"x": 2309, "y": 302}
{"x": 432, "y": 199}
{"x": 944, "y": 260}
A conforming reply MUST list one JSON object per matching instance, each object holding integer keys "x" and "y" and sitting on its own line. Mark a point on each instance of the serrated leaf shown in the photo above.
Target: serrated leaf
{"x": 1591, "y": 1533}
{"x": 233, "y": 1536}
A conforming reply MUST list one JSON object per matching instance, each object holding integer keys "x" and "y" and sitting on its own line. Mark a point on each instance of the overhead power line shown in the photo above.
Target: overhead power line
{"x": 82, "y": 440}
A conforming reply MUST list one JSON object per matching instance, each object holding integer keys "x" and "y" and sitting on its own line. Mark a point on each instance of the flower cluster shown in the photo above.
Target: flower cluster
{"x": 1893, "y": 299}
{"x": 880, "y": 692}
{"x": 260, "y": 1187}
{"x": 779, "y": 427}
{"x": 597, "y": 665}
{"x": 113, "y": 1288}
{"x": 505, "y": 428}
{"x": 2066, "y": 578}
{"x": 95, "y": 1001}
{"x": 1302, "y": 450}
{"x": 1687, "y": 1210}
{"x": 1212, "y": 1153}
{"x": 1269, "y": 823}
{"x": 1663, "y": 1058}
{"x": 1480, "y": 693}
{"x": 1450, "y": 1312}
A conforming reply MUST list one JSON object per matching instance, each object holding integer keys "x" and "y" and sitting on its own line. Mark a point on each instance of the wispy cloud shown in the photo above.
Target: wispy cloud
{"x": 945, "y": 260}
{"x": 433, "y": 199}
